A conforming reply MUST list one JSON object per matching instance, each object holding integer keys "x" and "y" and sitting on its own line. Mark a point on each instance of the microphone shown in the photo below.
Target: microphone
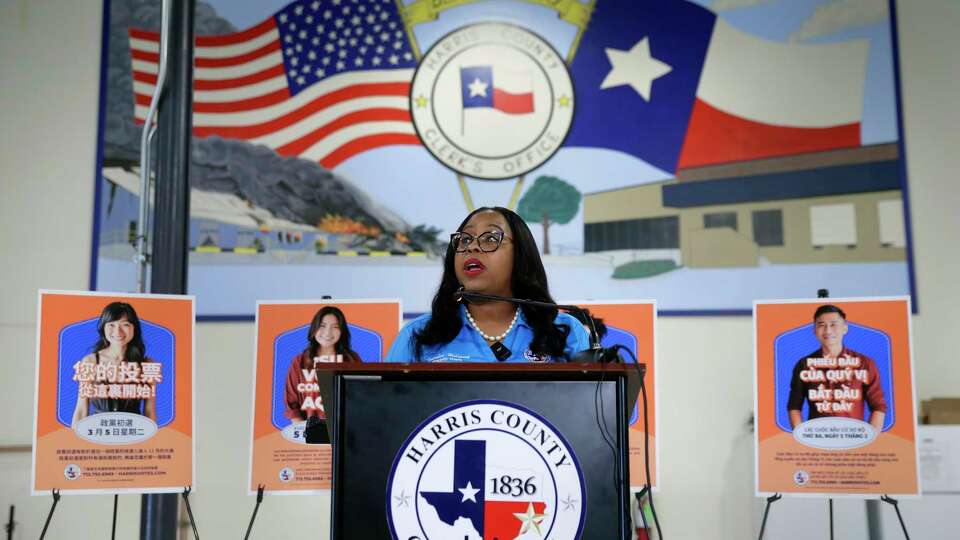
{"x": 595, "y": 354}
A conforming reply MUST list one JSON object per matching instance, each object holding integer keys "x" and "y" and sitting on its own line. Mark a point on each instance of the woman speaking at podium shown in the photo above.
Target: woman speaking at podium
{"x": 492, "y": 253}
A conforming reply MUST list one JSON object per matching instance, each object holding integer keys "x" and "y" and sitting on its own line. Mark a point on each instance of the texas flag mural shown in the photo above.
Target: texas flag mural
{"x": 678, "y": 87}
{"x": 493, "y": 519}
{"x": 510, "y": 92}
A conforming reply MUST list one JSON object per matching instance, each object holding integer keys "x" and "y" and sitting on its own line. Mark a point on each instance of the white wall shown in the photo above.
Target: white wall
{"x": 49, "y": 66}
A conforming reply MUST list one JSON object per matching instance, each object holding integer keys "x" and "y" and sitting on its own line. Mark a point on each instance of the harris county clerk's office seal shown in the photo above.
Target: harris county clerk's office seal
{"x": 485, "y": 469}
{"x": 492, "y": 101}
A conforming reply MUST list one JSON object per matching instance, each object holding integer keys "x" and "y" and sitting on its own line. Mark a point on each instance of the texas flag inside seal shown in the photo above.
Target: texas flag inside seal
{"x": 493, "y": 518}
{"x": 486, "y": 470}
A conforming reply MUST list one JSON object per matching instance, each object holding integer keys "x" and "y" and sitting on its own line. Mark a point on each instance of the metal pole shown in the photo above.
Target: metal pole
{"x": 159, "y": 513}
{"x": 831, "y": 517}
{"x": 146, "y": 141}
{"x": 874, "y": 528}
{"x": 172, "y": 207}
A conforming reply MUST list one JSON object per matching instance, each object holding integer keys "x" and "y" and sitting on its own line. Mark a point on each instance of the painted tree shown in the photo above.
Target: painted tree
{"x": 550, "y": 200}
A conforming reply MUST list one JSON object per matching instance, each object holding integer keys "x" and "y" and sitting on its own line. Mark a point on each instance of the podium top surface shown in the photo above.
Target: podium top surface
{"x": 560, "y": 369}
{"x": 632, "y": 376}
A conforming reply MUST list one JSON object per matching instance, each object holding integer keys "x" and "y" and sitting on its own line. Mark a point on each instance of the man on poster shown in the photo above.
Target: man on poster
{"x": 835, "y": 379}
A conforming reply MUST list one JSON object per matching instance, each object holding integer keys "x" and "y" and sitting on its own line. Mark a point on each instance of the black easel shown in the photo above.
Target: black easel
{"x": 893, "y": 502}
{"x": 10, "y": 524}
{"x": 186, "y": 501}
{"x": 113, "y": 529}
{"x": 766, "y": 511}
{"x": 56, "y": 499}
{"x": 255, "y": 508}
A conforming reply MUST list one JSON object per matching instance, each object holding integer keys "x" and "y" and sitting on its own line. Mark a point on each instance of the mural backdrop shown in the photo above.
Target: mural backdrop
{"x": 703, "y": 153}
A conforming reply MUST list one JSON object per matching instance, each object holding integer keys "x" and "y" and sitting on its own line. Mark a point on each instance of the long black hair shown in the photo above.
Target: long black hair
{"x": 135, "y": 352}
{"x": 342, "y": 346}
{"x": 528, "y": 280}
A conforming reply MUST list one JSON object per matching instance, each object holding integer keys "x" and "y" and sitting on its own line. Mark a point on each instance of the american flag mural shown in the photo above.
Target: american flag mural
{"x": 321, "y": 79}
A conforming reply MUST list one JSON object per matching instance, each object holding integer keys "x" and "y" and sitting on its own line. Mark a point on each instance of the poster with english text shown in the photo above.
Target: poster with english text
{"x": 290, "y": 447}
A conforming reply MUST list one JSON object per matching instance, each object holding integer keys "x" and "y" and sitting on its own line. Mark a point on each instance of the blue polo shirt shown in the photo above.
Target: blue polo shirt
{"x": 469, "y": 346}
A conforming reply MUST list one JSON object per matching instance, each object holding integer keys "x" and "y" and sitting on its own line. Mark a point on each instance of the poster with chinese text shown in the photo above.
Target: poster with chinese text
{"x": 113, "y": 408}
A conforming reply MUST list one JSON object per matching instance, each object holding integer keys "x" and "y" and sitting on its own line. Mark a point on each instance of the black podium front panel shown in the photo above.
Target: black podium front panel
{"x": 489, "y": 460}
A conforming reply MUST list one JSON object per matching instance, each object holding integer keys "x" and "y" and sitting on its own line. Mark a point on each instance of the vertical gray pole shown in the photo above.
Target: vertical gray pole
{"x": 159, "y": 513}
{"x": 874, "y": 527}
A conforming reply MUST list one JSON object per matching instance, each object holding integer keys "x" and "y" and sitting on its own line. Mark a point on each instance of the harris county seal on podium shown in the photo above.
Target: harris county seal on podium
{"x": 492, "y": 101}
{"x": 485, "y": 470}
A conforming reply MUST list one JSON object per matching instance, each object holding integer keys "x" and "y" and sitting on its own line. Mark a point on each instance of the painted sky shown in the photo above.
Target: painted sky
{"x": 593, "y": 170}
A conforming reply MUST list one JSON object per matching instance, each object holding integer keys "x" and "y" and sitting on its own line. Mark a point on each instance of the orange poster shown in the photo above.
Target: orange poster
{"x": 290, "y": 450}
{"x": 113, "y": 409}
{"x": 632, "y": 324}
{"x": 834, "y": 398}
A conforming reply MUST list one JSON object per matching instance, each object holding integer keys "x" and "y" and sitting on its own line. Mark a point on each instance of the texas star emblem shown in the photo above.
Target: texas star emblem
{"x": 492, "y": 101}
{"x": 485, "y": 470}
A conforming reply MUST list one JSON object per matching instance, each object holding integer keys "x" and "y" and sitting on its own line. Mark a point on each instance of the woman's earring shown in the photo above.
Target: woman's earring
{"x": 458, "y": 295}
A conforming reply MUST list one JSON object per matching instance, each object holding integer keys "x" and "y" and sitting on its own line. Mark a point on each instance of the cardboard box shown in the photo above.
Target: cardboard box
{"x": 940, "y": 411}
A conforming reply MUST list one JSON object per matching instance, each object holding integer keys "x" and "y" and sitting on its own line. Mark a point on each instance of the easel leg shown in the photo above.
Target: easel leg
{"x": 766, "y": 511}
{"x": 830, "y": 503}
{"x": 894, "y": 503}
{"x": 113, "y": 529}
{"x": 56, "y": 499}
{"x": 186, "y": 501}
{"x": 255, "y": 508}
{"x": 11, "y": 524}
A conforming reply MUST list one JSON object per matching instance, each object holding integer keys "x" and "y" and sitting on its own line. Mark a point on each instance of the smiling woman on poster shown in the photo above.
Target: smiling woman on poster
{"x": 119, "y": 358}
{"x": 328, "y": 340}
{"x": 493, "y": 252}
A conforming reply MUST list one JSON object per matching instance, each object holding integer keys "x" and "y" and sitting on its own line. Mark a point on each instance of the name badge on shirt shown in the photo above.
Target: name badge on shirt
{"x": 450, "y": 357}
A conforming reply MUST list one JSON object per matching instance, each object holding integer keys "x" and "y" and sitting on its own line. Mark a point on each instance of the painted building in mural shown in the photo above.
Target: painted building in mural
{"x": 830, "y": 207}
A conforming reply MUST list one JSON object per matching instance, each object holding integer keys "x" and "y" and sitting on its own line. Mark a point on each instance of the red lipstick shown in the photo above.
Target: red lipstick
{"x": 473, "y": 267}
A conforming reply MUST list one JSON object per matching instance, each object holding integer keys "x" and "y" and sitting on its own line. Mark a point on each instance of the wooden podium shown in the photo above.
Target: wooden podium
{"x": 391, "y": 421}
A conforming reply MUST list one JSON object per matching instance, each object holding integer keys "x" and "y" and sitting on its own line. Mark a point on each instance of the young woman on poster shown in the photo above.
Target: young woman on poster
{"x": 120, "y": 350}
{"x": 328, "y": 340}
{"x": 493, "y": 252}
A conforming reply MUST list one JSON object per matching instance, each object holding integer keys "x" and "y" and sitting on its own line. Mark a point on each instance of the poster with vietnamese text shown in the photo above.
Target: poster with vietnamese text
{"x": 834, "y": 395}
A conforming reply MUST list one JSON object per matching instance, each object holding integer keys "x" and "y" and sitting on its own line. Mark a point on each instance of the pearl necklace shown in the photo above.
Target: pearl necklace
{"x": 488, "y": 337}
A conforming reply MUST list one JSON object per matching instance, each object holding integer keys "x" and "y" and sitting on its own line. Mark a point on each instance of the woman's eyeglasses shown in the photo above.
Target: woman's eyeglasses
{"x": 488, "y": 242}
